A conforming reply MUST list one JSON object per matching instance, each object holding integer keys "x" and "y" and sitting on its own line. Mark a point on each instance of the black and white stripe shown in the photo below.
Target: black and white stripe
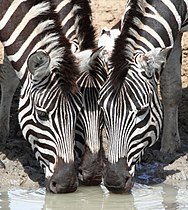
{"x": 76, "y": 24}
{"x": 50, "y": 100}
{"x": 129, "y": 97}
{"x": 76, "y": 19}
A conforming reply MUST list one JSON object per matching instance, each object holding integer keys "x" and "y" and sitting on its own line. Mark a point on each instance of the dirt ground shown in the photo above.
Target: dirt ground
{"x": 21, "y": 168}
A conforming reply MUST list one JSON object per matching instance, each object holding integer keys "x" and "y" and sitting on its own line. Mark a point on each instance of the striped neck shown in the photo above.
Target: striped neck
{"x": 75, "y": 18}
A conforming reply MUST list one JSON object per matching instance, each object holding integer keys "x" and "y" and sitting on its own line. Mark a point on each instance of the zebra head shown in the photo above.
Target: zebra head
{"x": 48, "y": 121}
{"x": 132, "y": 114}
{"x": 50, "y": 100}
{"x": 76, "y": 22}
{"x": 89, "y": 123}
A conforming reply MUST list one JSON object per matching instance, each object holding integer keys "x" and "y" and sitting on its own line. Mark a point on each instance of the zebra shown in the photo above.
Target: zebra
{"x": 89, "y": 124}
{"x": 67, "y": 11}
{"x": 150, "y": 38}
{"x": 75, "y": 19}
{"x": 50, "y": 99}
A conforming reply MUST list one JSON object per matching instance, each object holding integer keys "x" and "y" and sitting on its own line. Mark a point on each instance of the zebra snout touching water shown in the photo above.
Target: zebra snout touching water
{"x": 117, "y": 177}
{"x": 64, "y": 178}
{"x": 147, "y": 49}
{"x": 50, "y": 100}
{"x": 90, "y": 121}
{"x": 76, "y": 20}
{"x": 132, "y": 113}
{"x": 76, "y": 25}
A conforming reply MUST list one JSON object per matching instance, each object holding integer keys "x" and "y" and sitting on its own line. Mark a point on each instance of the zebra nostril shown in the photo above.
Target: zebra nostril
{"x": 54, "y": 184}
{"x": 80, "y": 171}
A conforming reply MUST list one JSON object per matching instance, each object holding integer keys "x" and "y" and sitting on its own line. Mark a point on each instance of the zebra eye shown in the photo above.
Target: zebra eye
{"x": 43, "y": 115}
{"x": 142, "y": 111}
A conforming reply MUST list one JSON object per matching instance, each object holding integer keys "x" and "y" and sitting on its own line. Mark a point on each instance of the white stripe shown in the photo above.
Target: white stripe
{"x": 141, "y": 38}
{"x": 43, "y": 141}
{"x": 149, "y": 30}
{"x": 15, "y": 4}
{"x": 155, "y": 35}
{"x": 136, "y": 46}
{"x": 160, "y": 19}
{"x": 71, "y": 29}
{"x": 174, "y": 11}
{"x": 61, "y": 5}
{"x": 32, "y": 13}
{"x": 41, "y": 27}
{"x": 67, "y": 18}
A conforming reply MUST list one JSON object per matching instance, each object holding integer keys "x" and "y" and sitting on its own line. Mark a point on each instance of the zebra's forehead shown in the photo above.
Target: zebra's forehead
{"x": 130, "y": 96}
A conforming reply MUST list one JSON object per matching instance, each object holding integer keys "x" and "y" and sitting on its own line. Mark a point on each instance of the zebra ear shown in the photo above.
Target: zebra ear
{"x": 86, "y": 58}
{"x": 154, "y": 60}
{"x": 95, "y": 54}
{"x": 38, "y": 64}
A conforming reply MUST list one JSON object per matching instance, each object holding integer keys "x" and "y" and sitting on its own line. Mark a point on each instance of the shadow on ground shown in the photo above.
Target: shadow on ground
{"x": 18, "y": 150}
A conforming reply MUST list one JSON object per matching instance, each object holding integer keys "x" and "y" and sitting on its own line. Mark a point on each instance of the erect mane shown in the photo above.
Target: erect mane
{"x": 95, "y": 74}
{"x": 83, "y": 24}
{"x": 46, "y": 30}
{"x": 84, "y": 32}
{"x": 68, "y": 67}
{"x": 123, "y": 50}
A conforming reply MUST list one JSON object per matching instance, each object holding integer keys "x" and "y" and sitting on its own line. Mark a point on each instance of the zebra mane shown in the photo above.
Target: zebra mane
{"x": 93, "y": 74}
{"x": 123, "y": 50}
{"x": 67, "y": 67}
{"x": 83, "y": 24}
{"x": 54, "y": 43}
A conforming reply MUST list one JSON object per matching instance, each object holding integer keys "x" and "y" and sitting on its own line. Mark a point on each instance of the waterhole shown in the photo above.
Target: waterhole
{"x": 142, "y": 197}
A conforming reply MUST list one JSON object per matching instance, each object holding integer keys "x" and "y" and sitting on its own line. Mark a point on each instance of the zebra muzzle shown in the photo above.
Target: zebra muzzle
{"x": 64, "y": 179}
{"x": 90, "y": 170}
{"x": 117, "y": 178}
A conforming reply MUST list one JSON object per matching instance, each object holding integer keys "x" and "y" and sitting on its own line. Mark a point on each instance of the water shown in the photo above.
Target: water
{"x": 157, "y": 197}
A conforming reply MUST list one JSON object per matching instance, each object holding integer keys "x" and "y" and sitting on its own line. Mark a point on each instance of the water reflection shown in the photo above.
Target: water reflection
{"x": 22, "y": 199}
{"x": 182, "y": 196}
{"x": 153, "y": 197}
{"x": 98, "y": 198}
{"x": 89, "y": 198}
